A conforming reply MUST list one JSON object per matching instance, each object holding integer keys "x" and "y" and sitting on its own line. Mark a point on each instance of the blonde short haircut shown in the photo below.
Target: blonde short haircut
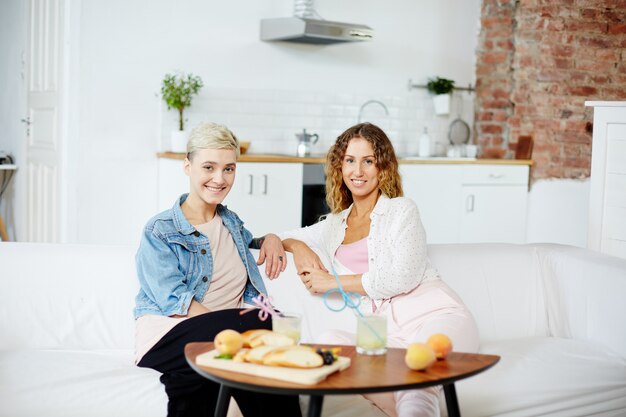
{"x": 210, "y": 135}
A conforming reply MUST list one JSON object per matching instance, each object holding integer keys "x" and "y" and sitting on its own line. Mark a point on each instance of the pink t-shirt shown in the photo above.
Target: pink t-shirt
{"x": 354, "y": 256}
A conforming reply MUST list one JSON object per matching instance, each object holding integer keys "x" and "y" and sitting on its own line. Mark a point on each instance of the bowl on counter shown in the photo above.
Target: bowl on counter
{"x": 243, "y": 147}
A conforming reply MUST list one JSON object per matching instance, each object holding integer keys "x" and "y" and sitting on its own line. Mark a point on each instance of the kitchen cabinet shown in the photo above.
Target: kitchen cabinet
{"x": 607, "y": 192}
{"x": 172, "y": 182}
{"x": 493, "y": 214}
{"x": 493, "y": 204}
{"x": 266, "y": 196}
{"x": 458, "y": 201}
{"x": 469, "y": 203}
{"x": 435, "y": 189}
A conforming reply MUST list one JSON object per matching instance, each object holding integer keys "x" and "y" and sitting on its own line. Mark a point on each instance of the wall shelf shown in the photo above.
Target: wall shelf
{"x": 412, "y": 86}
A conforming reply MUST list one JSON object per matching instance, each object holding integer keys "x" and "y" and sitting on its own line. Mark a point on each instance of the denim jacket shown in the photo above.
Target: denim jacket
{"x": 175, "y": 265}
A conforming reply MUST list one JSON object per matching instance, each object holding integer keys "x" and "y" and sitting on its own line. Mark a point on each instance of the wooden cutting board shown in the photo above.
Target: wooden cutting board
{"x": 299, "y": 376}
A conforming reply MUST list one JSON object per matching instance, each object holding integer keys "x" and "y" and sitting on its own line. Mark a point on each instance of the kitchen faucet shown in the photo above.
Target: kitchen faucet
{"x": 367, "y": 103}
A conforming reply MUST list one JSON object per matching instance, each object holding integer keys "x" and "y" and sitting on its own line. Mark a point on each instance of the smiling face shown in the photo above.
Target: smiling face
{"x": 359, "y": 170}
{"x": 211, "y": 174}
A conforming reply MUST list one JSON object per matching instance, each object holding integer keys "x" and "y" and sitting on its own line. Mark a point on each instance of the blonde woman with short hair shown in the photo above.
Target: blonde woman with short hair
{"x": 196, "y": 273}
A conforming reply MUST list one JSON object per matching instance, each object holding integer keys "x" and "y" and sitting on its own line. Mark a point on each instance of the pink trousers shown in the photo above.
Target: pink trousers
{"x": 432, "y": 307}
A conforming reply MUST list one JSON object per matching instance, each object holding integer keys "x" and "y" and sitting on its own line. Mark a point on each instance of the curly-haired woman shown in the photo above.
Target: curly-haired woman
{"x": 377, "y": 245}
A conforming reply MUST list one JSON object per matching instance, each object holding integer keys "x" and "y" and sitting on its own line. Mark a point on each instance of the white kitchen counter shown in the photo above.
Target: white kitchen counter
{"x": 322, "y": 159}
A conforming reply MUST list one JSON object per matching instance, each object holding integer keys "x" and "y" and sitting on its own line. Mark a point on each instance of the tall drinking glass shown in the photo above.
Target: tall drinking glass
{"x": 371, "y": 334}
{"x": 288, "y": 324}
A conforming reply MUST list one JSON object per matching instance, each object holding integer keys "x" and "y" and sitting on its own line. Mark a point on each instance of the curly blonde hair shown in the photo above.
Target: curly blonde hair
{"x": 338, "y": 195}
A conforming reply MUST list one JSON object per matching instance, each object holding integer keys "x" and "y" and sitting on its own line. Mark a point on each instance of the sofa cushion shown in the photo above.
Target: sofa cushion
{"x": 500, "y": 284}
{"x": 70, "y": 296}
{"x": 579, "y": 302}
{"x": 505, "y": 305}
{"x": 64, "y": 383}
{"x": 546, "y": 376}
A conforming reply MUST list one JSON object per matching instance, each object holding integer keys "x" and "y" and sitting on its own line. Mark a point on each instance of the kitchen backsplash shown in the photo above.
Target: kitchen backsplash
{"x": 269, "y": 119}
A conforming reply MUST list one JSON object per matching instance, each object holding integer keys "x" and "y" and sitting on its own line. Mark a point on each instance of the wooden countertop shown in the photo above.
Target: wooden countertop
{"x": 321, "y": 160}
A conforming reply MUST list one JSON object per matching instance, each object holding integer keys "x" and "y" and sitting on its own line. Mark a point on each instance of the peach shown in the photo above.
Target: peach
{"x": 228, "y": 342}
{"x": 419, "y": 356}
{"x": 440, "y": 344}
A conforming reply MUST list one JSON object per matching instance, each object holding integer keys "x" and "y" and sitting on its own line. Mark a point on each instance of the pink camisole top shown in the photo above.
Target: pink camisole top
{"x": 354, "y": 256}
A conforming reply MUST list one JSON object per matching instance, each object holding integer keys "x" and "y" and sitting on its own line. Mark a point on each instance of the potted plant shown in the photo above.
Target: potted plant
{"x": 177, "y": 91}
{"x": 441, "y": 88}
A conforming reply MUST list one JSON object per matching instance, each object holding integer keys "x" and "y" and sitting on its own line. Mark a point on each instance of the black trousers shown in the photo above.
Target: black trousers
{"x": 190, "y": 394}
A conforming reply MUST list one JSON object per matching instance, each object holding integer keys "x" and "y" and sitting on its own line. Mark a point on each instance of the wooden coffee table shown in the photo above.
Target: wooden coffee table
{"x": 366, "y": 374}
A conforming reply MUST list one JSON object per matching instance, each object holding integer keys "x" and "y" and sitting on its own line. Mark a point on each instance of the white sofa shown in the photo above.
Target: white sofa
{"x": 554, "y": 313}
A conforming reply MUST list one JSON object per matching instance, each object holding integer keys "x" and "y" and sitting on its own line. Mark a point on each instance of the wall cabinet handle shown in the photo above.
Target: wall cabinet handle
{"x": 469, "y": 203}
{"x": 265, "y": 184}
{"x": 496, "y": 176}
{"x": 250, "y": 184}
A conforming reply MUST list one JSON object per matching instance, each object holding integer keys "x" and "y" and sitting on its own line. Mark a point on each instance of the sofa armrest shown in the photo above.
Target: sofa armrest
{"x": 585, "y": 293}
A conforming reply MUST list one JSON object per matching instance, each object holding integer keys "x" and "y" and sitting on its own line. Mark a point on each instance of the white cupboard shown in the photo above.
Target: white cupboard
{"x": 494, "y": 202}
{"x": 457, "y": 202}
{"x": 436, "y": 190}
{"x": 607, "y": 193}
{"x": 172, "y": 182}
{"x": 493, "y": 214}
{"x": 469, "y": 203}
{"x": 266, "y": 196}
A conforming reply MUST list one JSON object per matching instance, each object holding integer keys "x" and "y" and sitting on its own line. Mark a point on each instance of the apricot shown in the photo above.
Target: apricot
{"x": 228, "y": 342}
{"x": 440, "y": 344}
{"x": 419, "y": 356}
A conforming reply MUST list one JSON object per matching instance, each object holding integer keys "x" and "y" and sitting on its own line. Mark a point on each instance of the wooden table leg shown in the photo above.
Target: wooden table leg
{"x": 315, "y": 405}
{"x": 223, "y": 401}
{"x": 452, "y": 403}
{"x": 3, "y": 231}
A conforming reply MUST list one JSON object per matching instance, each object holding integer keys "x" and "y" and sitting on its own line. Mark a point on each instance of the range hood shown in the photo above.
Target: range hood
{"x": 313, "y": 31}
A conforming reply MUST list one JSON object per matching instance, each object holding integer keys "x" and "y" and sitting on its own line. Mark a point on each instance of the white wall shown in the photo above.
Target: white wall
{"x": 120, "y": 50}
{"x": 124, "y": 49}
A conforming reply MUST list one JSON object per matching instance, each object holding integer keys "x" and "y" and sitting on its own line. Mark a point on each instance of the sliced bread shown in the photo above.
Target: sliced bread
{"x": 251, "y": 337}
{"x": 257, "y": 354}
{"x": 293, "y": 357}
{"x": 276, "y": 339}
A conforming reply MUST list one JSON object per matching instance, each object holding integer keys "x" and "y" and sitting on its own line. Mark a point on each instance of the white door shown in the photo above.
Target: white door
{"x": 43, "y": 141}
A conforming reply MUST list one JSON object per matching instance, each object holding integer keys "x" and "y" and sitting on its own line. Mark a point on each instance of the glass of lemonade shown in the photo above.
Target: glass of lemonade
{"x": 288, "y": 324}
{"x": 371, "y": 334}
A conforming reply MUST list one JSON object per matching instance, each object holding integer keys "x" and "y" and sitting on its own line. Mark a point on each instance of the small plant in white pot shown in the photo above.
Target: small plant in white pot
{"x": 441, "y": 88}
{"x": 177, "y": 91}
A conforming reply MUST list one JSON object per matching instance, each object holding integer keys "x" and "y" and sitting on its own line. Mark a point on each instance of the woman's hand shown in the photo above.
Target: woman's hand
{"x": 195, "y": 309}
{"x": 303, "y": 256}
{"x": 317, "y": 281}
{"x": 273, "y": 252}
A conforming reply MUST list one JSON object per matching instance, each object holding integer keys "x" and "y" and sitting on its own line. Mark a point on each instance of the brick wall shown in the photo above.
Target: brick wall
{"x": 538, "y": 61}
